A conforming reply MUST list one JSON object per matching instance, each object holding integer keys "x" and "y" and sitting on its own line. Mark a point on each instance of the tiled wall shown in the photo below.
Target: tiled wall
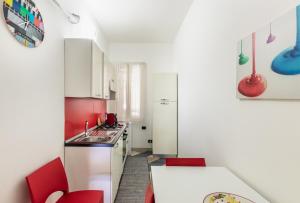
{"x": 78, "y": 110}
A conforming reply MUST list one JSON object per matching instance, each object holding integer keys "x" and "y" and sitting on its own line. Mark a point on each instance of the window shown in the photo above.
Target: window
{"x": 131, "y": 91}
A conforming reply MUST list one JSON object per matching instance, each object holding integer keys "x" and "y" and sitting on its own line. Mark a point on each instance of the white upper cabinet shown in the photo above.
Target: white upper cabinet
{"x": 83, "y": 69}
{"x": 106, "y": 78}
{"x": 97, "y": 73}
{"x": 113, "y": 78}
{"x": 165, "y": 87}
{"x": 109, "y": 79}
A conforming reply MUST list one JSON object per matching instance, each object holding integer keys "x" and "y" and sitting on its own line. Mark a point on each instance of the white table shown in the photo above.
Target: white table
{"x": 192, "y": 184}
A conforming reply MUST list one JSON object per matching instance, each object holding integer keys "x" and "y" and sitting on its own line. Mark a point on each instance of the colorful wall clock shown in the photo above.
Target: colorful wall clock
{"x": 24, "y": 21}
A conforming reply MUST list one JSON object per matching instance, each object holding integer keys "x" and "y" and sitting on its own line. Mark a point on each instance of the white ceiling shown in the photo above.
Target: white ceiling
{"x": 139, "y": 21}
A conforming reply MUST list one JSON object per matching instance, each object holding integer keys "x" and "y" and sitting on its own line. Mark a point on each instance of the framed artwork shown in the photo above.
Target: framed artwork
{"x": 24, "y": 21}
{"x": 268, "y": 60}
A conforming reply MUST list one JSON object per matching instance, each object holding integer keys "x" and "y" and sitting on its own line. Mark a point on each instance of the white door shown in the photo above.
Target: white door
{"x": 165, "y": 87}
{"x": 97, "y": 71}
{"x": 165, "y": 128}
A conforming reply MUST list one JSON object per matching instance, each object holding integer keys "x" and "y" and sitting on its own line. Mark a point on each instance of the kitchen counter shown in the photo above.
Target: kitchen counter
{"x": 93, "y": 164}
{"x": 79, "y": 140}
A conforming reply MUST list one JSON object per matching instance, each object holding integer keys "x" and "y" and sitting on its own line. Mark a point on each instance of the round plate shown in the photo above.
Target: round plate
{"x": 223, "y": 197}
{"x": 24, "y": 21}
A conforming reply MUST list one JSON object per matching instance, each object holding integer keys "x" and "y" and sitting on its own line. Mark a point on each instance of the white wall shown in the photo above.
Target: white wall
{"x": 158, "y": 58}
{"x": 257, "y": 140}
{"x": 88, "y": 26}
{"x": 32, "y": 100}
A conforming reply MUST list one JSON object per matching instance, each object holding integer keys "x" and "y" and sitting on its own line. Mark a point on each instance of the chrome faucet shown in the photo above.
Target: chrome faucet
{"x": 86, "y": 128}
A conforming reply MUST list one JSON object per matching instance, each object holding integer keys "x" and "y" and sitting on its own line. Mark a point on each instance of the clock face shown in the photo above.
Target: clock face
{"x": 24, "y": 21}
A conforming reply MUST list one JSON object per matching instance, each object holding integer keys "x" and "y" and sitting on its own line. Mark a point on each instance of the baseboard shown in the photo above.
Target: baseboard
{"x": 142, "y": 149}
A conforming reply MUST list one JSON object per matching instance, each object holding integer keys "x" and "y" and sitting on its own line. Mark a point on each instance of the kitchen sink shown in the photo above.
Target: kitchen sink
{"x": 103, "y": 133}
{"x": 98, "y": 136}
{"x": 96, "y": 139}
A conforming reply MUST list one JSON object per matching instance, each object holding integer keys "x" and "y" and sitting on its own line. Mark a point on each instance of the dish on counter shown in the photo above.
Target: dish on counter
{"x": 223, "y": 197}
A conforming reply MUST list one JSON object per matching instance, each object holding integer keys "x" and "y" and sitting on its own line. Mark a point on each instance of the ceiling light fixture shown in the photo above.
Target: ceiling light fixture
{"x": 72, "y": 17}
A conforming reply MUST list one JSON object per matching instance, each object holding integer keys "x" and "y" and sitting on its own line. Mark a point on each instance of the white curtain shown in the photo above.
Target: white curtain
{"x": 131, "y": 91}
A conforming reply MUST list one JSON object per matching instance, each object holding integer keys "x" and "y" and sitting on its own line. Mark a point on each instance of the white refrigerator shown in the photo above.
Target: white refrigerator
{"x": 165, "y": 116}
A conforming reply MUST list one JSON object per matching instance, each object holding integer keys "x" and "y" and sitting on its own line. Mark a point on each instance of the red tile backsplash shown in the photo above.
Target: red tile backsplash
{"x": 78, "y": 110}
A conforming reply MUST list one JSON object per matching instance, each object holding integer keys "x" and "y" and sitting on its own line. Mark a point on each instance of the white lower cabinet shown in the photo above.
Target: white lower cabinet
{"x": 116, "y": 167}
{"x": 95, "y": 168}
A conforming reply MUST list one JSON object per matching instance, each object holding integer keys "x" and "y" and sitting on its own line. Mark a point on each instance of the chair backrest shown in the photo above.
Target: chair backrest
{"x": 46, "y": 180}
{"x": 149, "y": 196}
{"x": 185, "y": 162}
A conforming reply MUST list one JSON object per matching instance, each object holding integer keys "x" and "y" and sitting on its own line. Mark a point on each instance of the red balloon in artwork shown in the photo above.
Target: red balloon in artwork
{"x": 255, "y": 84}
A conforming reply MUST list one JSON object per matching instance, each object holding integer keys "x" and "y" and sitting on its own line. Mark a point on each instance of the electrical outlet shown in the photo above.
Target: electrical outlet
{"x": 149, "y": 141}
{"x": 144, "y": 127}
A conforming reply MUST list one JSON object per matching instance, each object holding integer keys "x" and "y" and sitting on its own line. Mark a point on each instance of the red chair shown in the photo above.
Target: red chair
{"x": 51, "y": 178}
{"x": 185, "y": 162}
{"x": 149, "y": 196}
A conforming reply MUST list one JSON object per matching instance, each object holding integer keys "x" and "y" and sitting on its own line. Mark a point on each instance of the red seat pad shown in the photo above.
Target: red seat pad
{"x": 85, "y": 196}
{"x": 185, "y": 162}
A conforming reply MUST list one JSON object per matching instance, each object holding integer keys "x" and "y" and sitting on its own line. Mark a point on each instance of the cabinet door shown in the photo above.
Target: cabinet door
{"x": 78, "y": 63}
{"x": 165, "y": 128}
{"x": 106, "y": 78}
{"x": 113, "y": 78}
{"x": 89, "y": 168}
{"x": 165, "y": 87}
{"x": 117, "y": 167}
{"x": 97, "y": 72}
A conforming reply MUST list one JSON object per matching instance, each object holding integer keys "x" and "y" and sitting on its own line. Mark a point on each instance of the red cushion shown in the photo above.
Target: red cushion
{"x": 185, "y": 162}
{"x": 149, "y": 196}
{"x": 84, "y": 196}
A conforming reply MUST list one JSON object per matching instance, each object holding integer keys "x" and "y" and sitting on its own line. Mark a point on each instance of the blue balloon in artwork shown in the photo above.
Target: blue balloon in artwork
{"x": 288, "y": 61}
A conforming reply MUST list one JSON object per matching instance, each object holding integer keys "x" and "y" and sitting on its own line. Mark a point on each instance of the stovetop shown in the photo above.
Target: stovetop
{"x": 114, "y": 127}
